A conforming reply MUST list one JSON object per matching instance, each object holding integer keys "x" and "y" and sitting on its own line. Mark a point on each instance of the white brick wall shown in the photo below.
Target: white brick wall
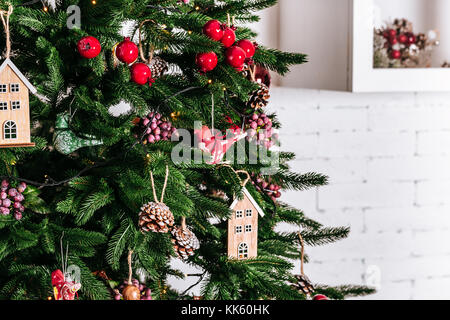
{"x": 388, "y": 158}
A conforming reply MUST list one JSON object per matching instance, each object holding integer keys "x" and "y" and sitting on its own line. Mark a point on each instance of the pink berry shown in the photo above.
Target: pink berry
{"x": 3, "y": 195}
{"x": 5, "y": 184}
{"x": 12, "y": 192}
{"x": 22, "y": 187}
{"x": 16, "y": 205}
{"x": 6, "y": 203}
{"x": 4, "y": 211}
{"x": 18, "y": 215}
{"x": 117, "y": 297}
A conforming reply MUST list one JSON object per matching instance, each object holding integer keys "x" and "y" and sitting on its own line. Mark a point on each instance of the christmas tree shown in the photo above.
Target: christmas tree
{"x": 106, "y": 195}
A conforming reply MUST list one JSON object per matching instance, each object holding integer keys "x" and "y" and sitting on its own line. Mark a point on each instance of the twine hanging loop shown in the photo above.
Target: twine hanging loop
{"x": 155, "y": 198}
{"x": 5, "y": 21}
{"x": 141, "y": 50}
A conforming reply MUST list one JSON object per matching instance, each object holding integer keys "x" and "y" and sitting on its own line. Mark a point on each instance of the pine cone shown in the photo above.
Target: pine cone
{"x": 158, "y": 67}
{"x": 155, "y": 217}
{"x": 184, "y": 242}
{"x": 303, "y": 284}
{"x": 259, "y": 98}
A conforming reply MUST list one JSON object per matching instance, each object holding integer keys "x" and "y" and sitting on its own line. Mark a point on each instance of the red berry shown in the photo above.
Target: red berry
{"x": 235, "y": 56}
{"x": 213, "y": 30}
{"x": 140, "y": 73}
{"x": 127, "y": 51}
{"x": 402, "y": 38}
{"x": 206, "y": 61}
{"x": 396, "y": 54}
{"x": 229, "y": 37}
{"x": 89, "y": 47}
{"x": 320, "y": 297}
{"x": 248, "y": 47}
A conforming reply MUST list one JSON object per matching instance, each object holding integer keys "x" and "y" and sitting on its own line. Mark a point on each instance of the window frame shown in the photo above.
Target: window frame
{"x": 242, "y": 250}
{"x": 241, "y": 214}
{"x": 10, "y": 128}
{"x": 17, "y": 102}
{"x": 13, "y": 85}
{"x": 248, "y": 212}
{"x": 3, "y": 86}
{"x": 238, "y": 229}
{"x": 5, "y": 103}
{"x": 248, "y": 228}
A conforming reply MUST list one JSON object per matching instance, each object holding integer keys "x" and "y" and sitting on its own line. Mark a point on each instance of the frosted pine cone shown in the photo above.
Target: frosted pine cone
{"x": 184, "y": 242}
{"x": 303, "y": 284}
{"x": 155, "y": 217}
{"x": 158, "y": 67}
{"x": 259, "y": 98}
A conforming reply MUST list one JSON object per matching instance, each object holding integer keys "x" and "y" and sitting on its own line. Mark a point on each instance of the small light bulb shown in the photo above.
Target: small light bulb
{"x": 197, "y": 8}
{"x": 94, "y": 2}
{"x": 210, "y": 81}
{"x": 45, "y": 9}
{"x": 190, "y": 32}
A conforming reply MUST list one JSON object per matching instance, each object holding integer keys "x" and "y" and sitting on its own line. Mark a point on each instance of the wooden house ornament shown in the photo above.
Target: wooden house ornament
{"x": 14, "y": 98}
{"x": 14, "y": 107}
{"x": 243, "y": 227}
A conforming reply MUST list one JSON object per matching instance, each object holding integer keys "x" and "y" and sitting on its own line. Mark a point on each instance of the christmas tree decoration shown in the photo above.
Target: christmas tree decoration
{"x": 127, "y": 51}
{"x": 64, "y": 287}
{"x": 217, "y": 145}
{"x": 248, "y": 47}
{"x": 141, "y": 74}
{"x": 320, "y": 297}
{"x": 259, "y": 98}
{"x": 259, "y": 74}
{"x": 206, "y": 61}
{"x": 89, "y": 47}
{"x": 213, "y": 29}
{"x": 158, "y": 67}
{"x": 145, "y": 293}
{"x": 11, "y": 199}
{"x": 302, "y": 284}
{"x": 65, "y": 141}
{"x": 52, "y": 4}
{"x": 243, "y": 225}
{"x": 14, "y": 98}
{"x": 260, "y": 130}
{"x": 235, "y": 57}
{"x": 153, "y": 128}
{"x": 184, "y": 240}
{"x": 267, "y": 186}
{"x": 229, "y": 37}
{"x": 397, "y": 46}
{"x": 156, "y": 216}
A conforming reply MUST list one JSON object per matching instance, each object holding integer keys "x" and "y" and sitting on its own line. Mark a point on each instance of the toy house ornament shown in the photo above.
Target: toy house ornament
{"x": 14, "y": 107}
{"x": 14, "y": 98}
{"x": 243, "y": 227}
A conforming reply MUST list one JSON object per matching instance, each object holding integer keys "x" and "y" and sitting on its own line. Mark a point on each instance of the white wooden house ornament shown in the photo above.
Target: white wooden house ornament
{"x": 14, "y": 107}
{"x": 243, "y": 227}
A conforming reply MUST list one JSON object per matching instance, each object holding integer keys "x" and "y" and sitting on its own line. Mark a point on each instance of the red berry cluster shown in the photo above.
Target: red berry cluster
{"x": 259, "y": 130}
{"x": 267, "y": 186}
{"x": 236, "y": 54}
{"x": 397, "y": 42}
{"x": 146, "y": 293}
{"x": 126, "y": 51}
{"x": 11, "y": 199}
{"x": 155, "y": 128}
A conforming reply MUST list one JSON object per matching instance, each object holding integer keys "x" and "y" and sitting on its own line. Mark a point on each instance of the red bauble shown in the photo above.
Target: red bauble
{"x": 206, "y": 61}
{"x": 393, "y": 40}
{"x": 213, "y": 29}
{"x": 141, "y": 74}
{"x": 89, "y": 47}
{"x": 235, "y": 57}
{"x": 402, "y": 38}
{"x": 320, "y": 297}
{"x": 248, "y": 47}
{"x": 396, "y": 54}
{"x": 127, "y": 51}
{"x": 229, "y": 37}
{"x": 411, "y": 38}
{"x": 392, "y": 32}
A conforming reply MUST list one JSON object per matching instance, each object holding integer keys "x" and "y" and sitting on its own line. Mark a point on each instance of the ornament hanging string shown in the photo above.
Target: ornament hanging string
{"x": 244, "y": 183}
{"x": 141, "y": 50}
{"x": 302, "y": 252}
{"x": 130, "y": 269}
{"x": 8, "y": 13}
{"x": 183, "y": 223}
{"x": 155, "y": 198}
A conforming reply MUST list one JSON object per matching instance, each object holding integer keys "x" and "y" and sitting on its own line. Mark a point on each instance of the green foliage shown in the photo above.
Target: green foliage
{"x": 94, "y": 195}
